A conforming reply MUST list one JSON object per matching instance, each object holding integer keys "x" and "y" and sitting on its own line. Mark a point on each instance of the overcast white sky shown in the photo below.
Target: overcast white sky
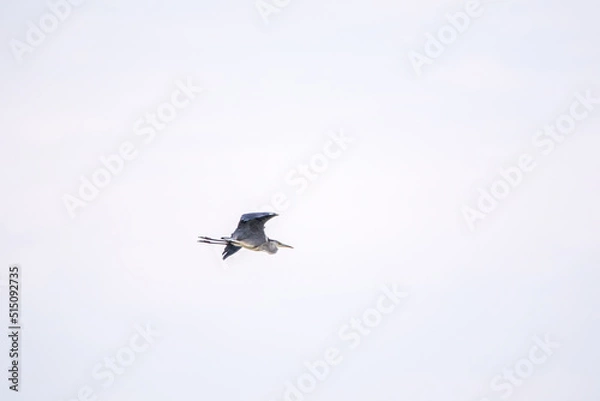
{"x": 387, "y": 210}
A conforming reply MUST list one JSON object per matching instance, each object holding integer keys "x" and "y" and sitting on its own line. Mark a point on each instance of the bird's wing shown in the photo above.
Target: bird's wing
{"x": 251, "y": 228}
{"x": 230, "y": 250}
{"x": 258, "y": 216}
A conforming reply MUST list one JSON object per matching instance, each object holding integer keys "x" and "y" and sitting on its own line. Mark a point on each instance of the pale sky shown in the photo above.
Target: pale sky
{"x": 385, "y": 210}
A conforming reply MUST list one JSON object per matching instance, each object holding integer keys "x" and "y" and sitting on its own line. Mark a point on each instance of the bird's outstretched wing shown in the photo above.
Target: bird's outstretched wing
{"x": 258, "y": 216}
{"x": 251, "y": 228}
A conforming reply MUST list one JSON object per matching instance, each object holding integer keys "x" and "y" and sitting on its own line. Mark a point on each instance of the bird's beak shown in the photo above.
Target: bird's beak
{"x": 285, "y": 246}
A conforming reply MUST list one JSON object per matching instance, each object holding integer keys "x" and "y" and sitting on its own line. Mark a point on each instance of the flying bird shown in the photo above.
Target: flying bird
{"x": 249, "y": 234}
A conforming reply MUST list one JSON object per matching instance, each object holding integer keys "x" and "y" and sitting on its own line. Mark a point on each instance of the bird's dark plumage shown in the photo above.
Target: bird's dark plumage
{"x": 230, "y": 250}
{"x": 251, "y": 228}
{"x": 261, "y": 216}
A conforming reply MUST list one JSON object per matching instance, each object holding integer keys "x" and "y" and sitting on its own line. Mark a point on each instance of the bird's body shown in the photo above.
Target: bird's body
{"x": 249, "y": 234}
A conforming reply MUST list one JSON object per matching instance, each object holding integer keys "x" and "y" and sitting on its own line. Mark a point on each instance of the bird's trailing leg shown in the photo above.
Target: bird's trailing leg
{"x": 208, "y": 240}
{"x": 215, "y": 241}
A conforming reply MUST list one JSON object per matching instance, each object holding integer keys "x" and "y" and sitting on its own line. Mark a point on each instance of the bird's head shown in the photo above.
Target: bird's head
{"x": 282, "y": 245}
{"x": 274, "y": 245}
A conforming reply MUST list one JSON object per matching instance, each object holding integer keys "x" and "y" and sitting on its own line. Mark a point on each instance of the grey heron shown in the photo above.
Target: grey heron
{"x": 249, "y": 234}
